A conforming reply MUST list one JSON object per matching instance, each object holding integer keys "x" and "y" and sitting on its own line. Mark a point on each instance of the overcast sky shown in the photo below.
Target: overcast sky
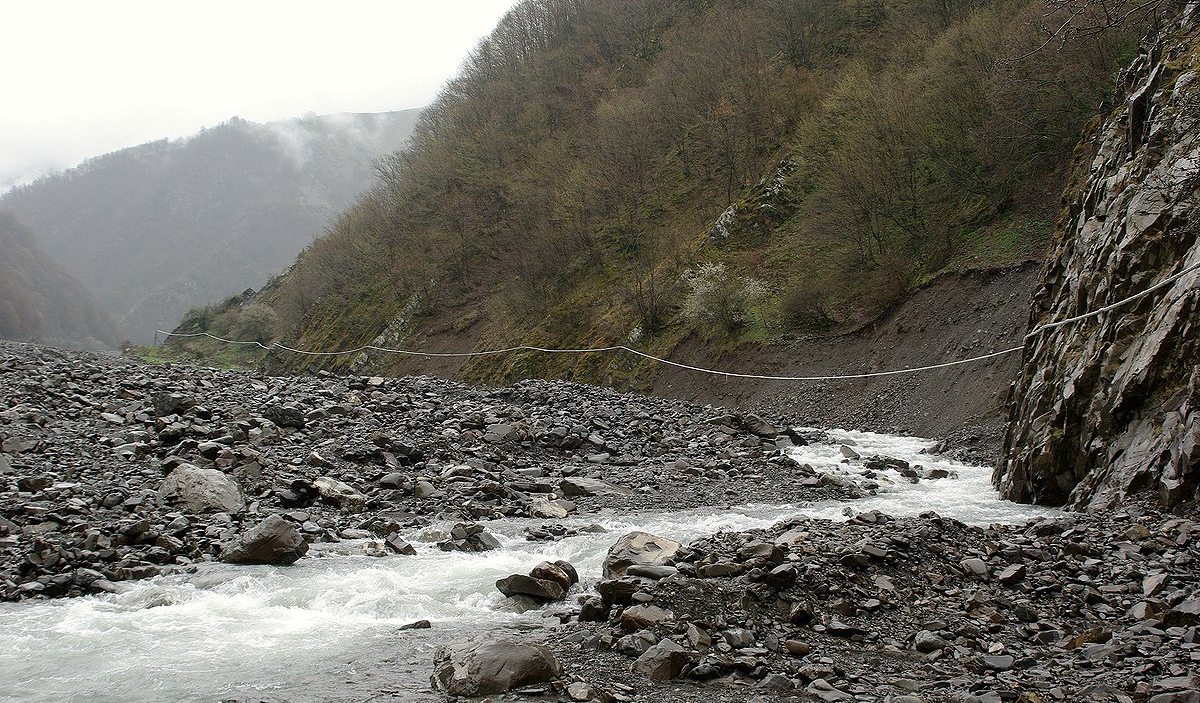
{"x": 85, "y": 77}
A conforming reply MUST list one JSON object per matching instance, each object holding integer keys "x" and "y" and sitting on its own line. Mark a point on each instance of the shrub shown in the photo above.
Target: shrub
{"x": 720, "y": 300}
{"x": 197, "y": 320}
{"x": 888, "y": 284}
{"x": 256, "y": 324}
{"x": 807, "y": 305}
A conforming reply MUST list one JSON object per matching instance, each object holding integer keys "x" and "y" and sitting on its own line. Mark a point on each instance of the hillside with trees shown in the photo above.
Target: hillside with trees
{"x": 705, "y": 172}
{"x": 156, "y": 229}
{"x": 41, "y": 302}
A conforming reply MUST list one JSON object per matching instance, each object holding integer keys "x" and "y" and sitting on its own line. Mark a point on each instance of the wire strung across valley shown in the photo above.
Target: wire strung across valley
{"x": 700, "y": 369}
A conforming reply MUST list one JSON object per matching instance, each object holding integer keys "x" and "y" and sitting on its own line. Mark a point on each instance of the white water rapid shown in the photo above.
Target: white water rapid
{"x": 327, "y": 628}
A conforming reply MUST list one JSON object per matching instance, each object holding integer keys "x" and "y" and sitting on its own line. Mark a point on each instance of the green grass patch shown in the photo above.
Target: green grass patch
{"x": 1002, "y": 243}
{"x": 208, "y": 353}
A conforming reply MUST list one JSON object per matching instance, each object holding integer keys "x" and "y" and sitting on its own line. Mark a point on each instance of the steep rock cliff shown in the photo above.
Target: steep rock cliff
{"x": 1110, "y": 406}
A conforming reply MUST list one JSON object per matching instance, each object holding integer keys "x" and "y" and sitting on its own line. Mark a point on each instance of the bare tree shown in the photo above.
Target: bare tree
{"x": 1067, "y": 20}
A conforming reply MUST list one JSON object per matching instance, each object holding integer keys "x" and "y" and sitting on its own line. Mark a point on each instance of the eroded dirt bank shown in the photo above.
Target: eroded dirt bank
{"x": 955, "y": 317}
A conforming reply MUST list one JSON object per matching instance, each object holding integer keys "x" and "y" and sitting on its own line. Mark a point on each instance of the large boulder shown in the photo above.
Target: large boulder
{"x": 640, "y": 617}
{"x": 542, "y": 590}
{"x": 298, "y": 493}
{"x": 638, "y": 548}
{"x": 343, "y": 495}
{"x": 172, "y": 404}
{"x": 286, "y": 415}
{"x": 198, "y": 490}
{"x": 619, "y": 591}
{"x": 548, "y": 581}
{"x": 495, "y": 666}
{"x": 469, "y": 537}
{"x": 756, "y": 425}
{"x": 560, "y": 572}
{"x": 272, "y": 541}
{"x": 539, "y": 507}
{"x": 663, "y": 661}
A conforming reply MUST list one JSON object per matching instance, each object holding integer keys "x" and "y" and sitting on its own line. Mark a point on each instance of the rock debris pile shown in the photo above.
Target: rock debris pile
{"x": 1084, "y": 607}
{"x": 112, "y": 470}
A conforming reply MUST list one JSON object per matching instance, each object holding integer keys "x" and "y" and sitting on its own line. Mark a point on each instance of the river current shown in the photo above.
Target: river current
{"x": 328, "y": 628}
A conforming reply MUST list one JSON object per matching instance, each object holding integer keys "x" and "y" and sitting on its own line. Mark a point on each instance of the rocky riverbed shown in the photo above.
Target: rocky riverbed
{"x": 111, "y": 470}
{"x": 853, "y": 567}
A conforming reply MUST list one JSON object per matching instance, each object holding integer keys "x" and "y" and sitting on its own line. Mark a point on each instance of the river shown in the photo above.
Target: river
{"x": 328, "y": 628}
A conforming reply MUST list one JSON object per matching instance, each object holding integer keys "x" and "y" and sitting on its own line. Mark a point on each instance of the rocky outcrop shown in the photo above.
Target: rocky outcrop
{"x": 768, "y": 203}
{"x": 1110, "y": 406}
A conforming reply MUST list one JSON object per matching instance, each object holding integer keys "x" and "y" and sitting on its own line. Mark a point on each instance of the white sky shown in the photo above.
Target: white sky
{"x": 85, "y": 77}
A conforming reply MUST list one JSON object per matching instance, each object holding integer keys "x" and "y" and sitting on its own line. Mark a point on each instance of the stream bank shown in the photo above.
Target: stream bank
{"x": 815, "y": 564}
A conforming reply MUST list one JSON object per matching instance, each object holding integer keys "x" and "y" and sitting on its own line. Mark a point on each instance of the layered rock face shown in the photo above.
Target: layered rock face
{"x": 1110, "y": 406}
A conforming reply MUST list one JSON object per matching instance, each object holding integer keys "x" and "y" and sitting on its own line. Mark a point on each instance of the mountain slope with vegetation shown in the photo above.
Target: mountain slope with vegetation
{"x": 701, "y": 173}
{"x": 155, "y": 229}
{"x": 41, "y": 302}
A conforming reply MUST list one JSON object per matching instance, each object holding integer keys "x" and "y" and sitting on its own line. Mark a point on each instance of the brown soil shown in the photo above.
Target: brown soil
{"x": 954, "y": 317}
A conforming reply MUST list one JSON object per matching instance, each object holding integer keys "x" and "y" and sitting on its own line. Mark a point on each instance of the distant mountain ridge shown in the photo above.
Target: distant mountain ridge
{"x": 156, "y": 229}
{"x": 40, "y": 302}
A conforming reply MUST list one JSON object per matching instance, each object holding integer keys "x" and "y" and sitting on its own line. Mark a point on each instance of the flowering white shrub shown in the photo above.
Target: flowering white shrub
{"x": 715, "y": 298}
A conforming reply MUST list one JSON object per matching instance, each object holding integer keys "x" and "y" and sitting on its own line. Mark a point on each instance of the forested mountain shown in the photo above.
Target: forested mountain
{"x": 706, "y": 172}
{"x": 41, "y": 302}
{"x": 156, "y": 229}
